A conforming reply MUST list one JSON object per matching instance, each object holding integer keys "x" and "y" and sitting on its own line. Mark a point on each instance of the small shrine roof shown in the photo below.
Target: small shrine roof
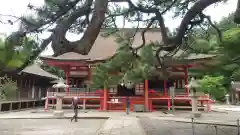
{"x": 35, "y": 69}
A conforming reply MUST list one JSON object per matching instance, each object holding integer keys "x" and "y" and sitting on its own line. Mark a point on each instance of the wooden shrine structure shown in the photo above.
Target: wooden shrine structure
{"x": 32, "y": 84}
{"x": 153, "y": 94}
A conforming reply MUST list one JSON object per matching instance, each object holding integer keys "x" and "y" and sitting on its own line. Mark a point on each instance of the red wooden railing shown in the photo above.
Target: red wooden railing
{"x": 119, "y": 103}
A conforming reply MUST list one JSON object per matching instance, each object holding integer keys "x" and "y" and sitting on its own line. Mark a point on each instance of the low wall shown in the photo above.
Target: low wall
{"x": 20, "y": 105}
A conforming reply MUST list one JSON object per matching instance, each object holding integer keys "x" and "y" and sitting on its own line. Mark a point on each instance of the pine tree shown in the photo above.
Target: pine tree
{"x": 125, "y": 66}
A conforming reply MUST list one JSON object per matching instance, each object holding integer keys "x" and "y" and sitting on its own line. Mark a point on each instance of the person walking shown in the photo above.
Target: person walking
{"x": 75, "y": 108}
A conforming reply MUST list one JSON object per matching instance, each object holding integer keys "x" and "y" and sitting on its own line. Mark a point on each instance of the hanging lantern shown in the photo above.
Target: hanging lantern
{"x": 130, "y": 85}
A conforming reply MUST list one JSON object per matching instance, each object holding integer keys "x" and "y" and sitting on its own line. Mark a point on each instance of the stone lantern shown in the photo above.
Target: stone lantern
{"x": 60, "y": 84}
{"x": 193, "y": 85}
{"x": 227, "y": 99}
{"x": 59, "y": 96}
{"x": 236, "y": 89}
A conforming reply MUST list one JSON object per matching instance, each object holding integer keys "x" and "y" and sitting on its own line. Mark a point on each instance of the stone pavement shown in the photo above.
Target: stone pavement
{"x": 162, "y": 127}
{"x": 229, "y": 118}
{"x": 49, "y": 127}
{"x": 226, "y": 108}
{"x": 118, "y": 123}
{"x": 123, "y": 125}
{"x": 41, "y": 114}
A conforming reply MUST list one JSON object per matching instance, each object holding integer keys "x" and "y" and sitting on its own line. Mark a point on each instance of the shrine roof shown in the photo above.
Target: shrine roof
{"x": 106, "y": 47}
{"x": 71, "y": 56}
{"x": 35, "y": 69}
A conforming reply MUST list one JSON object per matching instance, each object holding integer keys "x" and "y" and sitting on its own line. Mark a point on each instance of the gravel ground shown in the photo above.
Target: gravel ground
{"x": 49, "y": 127}
{"x": 160, "y": 127}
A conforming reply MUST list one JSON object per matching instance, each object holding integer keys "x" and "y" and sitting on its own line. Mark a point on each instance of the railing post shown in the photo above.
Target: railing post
{"x": 216, "y": 130}
{"x": 193, "y": 130}
{"x": 238, "y": 126}
{"x": 46, "y": 102}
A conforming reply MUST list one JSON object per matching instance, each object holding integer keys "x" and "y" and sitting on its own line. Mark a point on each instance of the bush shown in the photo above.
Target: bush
{"x": 8, "y": 88}
{"x": 213, "y": 86}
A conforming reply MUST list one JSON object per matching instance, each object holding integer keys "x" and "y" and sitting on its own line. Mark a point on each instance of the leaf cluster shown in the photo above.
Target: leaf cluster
{"x": 213, "y": 86}
{"x": 13, "y": 55}
{"x": 8, "y": 88}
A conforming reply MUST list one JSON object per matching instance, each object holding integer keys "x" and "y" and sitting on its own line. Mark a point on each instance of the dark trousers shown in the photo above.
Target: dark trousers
{"x": 75, "y": 114}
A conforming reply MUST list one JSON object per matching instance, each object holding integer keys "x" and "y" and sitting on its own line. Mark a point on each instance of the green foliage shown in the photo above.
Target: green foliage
{"x": 132, "y": 67}
{"x": 227, "y": 23}
{"x": 231, "y": 41}
{"x": 200, "y": 45}
{"x": 8, "y": 89}
{"x": 213, "y": 86}
{"x": 14, "y": 55}
{"x": 226, "y": 66}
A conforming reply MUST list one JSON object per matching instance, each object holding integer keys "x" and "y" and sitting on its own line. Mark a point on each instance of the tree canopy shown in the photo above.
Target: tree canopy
{"x": 216, "y": 78}
{"x": 88, "y": 17}
{"x": 130, "y": 67}
{"x": 14, "y": 56}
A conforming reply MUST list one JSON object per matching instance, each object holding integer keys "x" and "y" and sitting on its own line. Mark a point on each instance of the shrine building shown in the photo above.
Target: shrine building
{"x": 153, "y": 94}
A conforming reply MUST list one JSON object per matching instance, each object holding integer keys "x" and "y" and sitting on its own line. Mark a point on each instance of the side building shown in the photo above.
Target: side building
{"x": 32, "y": 85}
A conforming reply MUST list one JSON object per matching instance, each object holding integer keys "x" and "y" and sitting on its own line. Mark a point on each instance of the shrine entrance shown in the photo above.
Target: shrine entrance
{"x": 124, "y": 91}
{"x": 160, "y": 86}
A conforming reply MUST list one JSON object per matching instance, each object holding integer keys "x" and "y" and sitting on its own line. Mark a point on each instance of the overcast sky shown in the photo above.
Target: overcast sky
{"x": 19, "y": 7}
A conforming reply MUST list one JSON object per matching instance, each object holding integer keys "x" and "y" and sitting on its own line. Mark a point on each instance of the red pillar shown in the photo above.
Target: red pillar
{"x": 105, "y": 98}
{"x": 67, "y": 72}
{"x": 186, "y": 80}
{"x": 165, "y": 87}
{"x": 146, "y": 95}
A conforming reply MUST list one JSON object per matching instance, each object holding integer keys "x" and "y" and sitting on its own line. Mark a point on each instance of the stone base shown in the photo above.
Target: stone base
{"x": 58, "y": 113}
{"x": 196, "y": 115}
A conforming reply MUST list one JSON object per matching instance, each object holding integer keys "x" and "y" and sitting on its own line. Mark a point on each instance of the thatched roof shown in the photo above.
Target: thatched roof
{"x": 104, "y": 48}
{"x": 35, "y": 69}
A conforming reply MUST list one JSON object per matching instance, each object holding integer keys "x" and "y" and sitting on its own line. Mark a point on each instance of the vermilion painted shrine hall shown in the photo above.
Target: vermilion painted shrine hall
{"x": 153, "y": 94}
